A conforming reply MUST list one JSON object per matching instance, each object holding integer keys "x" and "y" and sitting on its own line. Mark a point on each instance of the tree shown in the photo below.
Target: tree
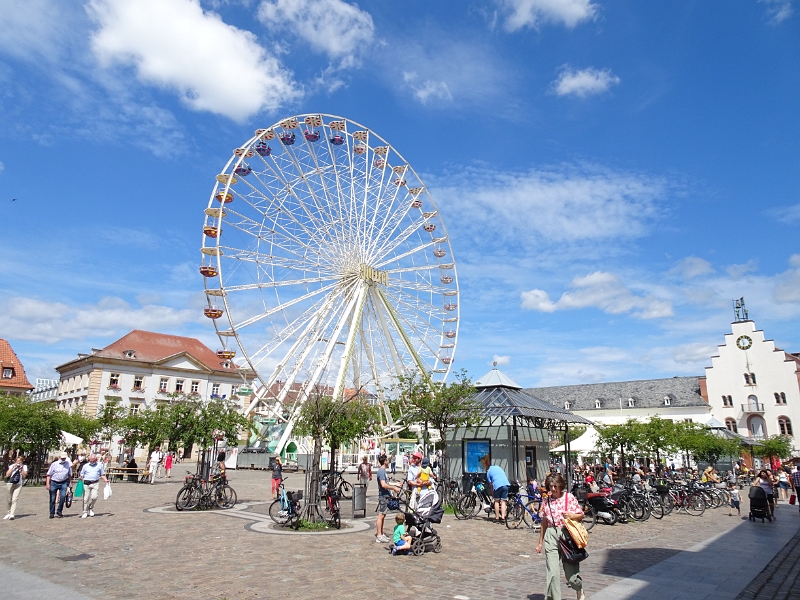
{"x": 626, "y": 437}
{"x": 334, "y": 421}
{"x": 777, "y": 446}
{"x": 33, "y": 428}
{"x": 438, "y": 404}
{"x": 658, "y": 436}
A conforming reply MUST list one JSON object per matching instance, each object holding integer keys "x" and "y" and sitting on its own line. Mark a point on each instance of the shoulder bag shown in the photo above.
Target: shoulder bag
{"x": 569, "y": 550}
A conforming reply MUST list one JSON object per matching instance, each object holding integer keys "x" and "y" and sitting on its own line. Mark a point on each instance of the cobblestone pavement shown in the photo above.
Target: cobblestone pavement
{"x": 780, "y": 579}
{"x": 129, "y": 551}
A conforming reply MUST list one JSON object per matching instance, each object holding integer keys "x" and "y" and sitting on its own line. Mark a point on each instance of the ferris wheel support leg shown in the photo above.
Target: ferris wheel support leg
{"x": 355, "y": 327}
{"x": 385, "y": 327}
{"x": 378, "y": 386}
{"x": 396, "y": 322}
{"x": 321, "y": 364}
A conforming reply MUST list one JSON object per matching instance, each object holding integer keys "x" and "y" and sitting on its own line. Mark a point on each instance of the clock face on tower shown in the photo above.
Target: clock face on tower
{"x": 743, "y": 342}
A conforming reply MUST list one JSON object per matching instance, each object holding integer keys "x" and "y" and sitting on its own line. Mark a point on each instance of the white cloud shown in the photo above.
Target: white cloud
{"x": 35, "y": 29}
{"x": 427, "y": 90}
{"x": 50, "y": 322}
{"x": 697, "y": 352}
{"x": 787, "y": 214}
{"x": 778, "y": 10}
{"x": 500, "y": 361}
{"x": 737, "y": 271}
{"x": 530, "y": 13}
{"x": 691, "y": 267}
{"x": 583, "y": 83}
{"x": 175, "y": 45}
{"x": 787, "y": 288}
{"x": 336, "y": 28}
{"x": 600, "y": 290}
{"x": 570, "y": 203}
{"x": 424, "y": 70}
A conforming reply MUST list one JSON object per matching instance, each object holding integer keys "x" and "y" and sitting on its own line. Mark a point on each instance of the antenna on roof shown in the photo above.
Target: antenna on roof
{"x": 739, "y": 310}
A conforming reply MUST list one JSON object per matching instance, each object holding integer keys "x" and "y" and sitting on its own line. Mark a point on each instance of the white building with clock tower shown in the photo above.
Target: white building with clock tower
{"x": 752, "y": 386}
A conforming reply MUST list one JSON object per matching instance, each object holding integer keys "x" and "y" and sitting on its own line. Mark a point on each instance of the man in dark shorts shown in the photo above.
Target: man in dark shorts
{"x": 385, "y": 490}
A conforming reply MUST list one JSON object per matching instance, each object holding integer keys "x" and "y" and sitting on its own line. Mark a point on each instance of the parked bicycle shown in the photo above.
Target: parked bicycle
{"x": 336, "y": 482}
{"x": 328, "y": 508}
{"x": 199, "y": 493}
{"x": 475, "y": 501}
{"x": 524, "y": 508}
{"x": 286, "y": 509}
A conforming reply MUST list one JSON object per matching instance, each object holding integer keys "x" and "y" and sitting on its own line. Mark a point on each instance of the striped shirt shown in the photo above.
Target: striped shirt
{"x": 59, "y": 471}
{"x": 796, "y": 480}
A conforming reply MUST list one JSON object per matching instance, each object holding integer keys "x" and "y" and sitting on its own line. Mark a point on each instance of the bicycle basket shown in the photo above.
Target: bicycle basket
{"x": 662, "y": 489}
{"x": 513, "y": 488}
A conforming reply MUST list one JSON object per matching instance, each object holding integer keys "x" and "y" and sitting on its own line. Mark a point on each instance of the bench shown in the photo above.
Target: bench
{"x": 124, "y": 473}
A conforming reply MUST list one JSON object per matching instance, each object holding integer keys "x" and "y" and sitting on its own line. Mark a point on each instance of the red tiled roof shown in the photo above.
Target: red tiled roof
{"x": 9, "y": 360}
{"x": 154, "y": 347}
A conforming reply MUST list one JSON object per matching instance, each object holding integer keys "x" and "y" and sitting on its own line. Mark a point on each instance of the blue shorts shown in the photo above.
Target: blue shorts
{"x": 501, "y": 493}
{"x": 399, "y": 544}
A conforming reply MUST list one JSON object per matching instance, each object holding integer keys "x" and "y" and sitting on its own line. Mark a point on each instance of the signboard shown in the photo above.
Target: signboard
{"x": 245, "y": 391}
{"x": 474, "y": 451}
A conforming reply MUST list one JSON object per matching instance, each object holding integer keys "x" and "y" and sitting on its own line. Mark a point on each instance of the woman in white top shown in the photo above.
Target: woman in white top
{"x": 15, "y": 477}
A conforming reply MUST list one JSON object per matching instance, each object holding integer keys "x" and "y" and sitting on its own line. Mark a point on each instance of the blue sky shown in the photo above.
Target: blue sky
{"x": 611, "y": 175}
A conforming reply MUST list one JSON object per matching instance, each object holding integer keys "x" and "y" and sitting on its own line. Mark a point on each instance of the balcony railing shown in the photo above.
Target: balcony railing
{"x": 753, "y": 408}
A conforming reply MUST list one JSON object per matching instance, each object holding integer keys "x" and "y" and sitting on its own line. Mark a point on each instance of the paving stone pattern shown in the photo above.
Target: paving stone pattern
{"x": 141, "y": 554}
{"x": 779, "y": 579}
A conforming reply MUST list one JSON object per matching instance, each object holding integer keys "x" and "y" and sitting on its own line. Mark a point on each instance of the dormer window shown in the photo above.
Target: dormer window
{"x": 566, "y": 405}
{"x": 226, "y": 364}
{"x": 8, "y": 373}
{"x": 597, "y": 404}
{"x": 667, "y": 400}
{"x": 130, "y": 353}
{"x": 631, "y": 402}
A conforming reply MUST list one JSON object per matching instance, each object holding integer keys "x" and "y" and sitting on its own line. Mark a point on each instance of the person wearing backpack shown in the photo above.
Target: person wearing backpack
{"x": 15, "y": 477}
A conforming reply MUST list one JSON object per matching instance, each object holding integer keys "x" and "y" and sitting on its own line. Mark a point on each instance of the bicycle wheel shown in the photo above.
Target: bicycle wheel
{"x": 640, "y": 510}
{"x": 345, "y": 490}
{"x": 224, "y": 496}
{"x": 188, "y": 498}
{"x": 695, "y": 505}
{"x": 466, "y": 507}
{"x": 655, "y": 506}
{"x": 278, "y": 512}
{"x": 667, "y": 502}
{"x": 515, "y": 514}
{"x": 589, "y": 517}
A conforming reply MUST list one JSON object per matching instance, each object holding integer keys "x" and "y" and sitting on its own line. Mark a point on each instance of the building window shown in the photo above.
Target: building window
{"x": 780, "y": 398}
{"x": 135, "y": 408}
{"x": 597, "y": 404}
{"x": 631, "y": 402}
{"x": 785, "y": 425}
{"x": 138, "y": 381}
{"x": 687, "y": 421}
{"x": 179, "y": 385}
{"x": 730, "y": 424}
{"x": 234, "y": 390}
{"x": 215, "y": 389}
{"x": 749, "y": 378}
{"x": 727, "y": 401}
{"x": 163, "y": 385}
{"x": 757, "y": 427}
{"x": 195, "y": 387}
{"x": 752, "y": 403}
{"x": 130, "y": 354}
{"x": 8, "y": 373}
{"x": 566, "y": 405}
{"x": 667, "y": 400}
{"x": 113, "y": 382}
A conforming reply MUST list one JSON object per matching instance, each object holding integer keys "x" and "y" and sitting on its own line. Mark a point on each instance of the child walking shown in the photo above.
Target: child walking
{"x": 402, "y": 541}
{"x": 735, "y": 501}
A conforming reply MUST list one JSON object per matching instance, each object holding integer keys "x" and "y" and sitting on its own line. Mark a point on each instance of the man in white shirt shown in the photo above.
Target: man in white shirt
{"x": 155, "y": 458}
{"x": 413, "y": 478}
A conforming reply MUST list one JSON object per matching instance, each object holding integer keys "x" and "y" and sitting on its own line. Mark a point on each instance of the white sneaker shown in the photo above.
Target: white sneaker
{"x": 91, "y": 513}
{"x": 6, "y": 517}
{"x": 84, "y": 515}
{"x": 382, "y": 539}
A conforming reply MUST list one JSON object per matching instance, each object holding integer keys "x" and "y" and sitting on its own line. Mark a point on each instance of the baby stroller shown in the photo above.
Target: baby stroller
{"x": 424, "y": 537}
{"x": 758, "y": 504}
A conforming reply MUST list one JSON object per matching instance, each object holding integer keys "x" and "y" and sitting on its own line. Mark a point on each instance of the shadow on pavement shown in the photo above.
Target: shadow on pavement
{"x": 624, "y": 562}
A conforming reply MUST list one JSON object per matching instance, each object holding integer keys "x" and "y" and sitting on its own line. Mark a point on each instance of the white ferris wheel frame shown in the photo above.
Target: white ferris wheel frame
{"x": 368, "y": 302}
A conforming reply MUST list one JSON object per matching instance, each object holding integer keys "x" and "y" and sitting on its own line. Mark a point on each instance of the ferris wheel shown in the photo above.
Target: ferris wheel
{"x": 330, "y": 263}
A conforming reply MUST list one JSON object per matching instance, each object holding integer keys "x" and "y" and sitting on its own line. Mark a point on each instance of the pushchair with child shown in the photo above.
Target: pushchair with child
{"x": 419, "y": 522}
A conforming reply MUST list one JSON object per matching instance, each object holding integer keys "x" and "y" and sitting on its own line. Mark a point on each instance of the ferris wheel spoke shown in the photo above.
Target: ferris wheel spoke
{"x": 399, "y": 257}
{"x": 252, "y": 227}
{"x": 417, "y": 286}
{"x": 281, "y": 307}
{"x": 395, "y": 320}
{"x": 287, "y": 332}
{"x": 387, "y": 337}
{"x": 278, "y": 283}
{"x": 273, "y": 260}
{"x": 389, "y": 244}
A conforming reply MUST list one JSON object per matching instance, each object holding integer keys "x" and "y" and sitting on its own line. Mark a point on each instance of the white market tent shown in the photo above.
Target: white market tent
{"x": 586, "y": 444}
{"x": 70, "y": 439}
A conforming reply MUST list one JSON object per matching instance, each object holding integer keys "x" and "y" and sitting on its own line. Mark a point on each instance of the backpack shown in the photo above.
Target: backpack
{"x": 16, "y": 477}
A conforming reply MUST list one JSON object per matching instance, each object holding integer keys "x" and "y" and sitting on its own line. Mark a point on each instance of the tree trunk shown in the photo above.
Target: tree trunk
{"x": 310, "y": 514}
